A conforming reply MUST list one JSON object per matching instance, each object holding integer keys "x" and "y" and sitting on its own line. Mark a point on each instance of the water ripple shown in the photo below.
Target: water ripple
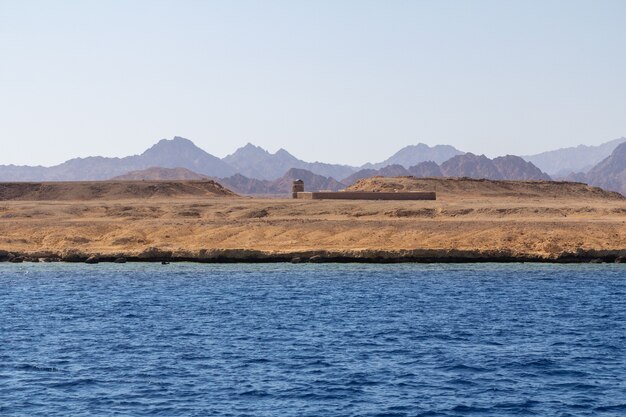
{"x": 312, "y": 340}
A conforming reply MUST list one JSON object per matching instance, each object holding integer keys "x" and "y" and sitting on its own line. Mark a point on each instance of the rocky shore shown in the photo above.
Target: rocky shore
{"x": 363, "y": 256}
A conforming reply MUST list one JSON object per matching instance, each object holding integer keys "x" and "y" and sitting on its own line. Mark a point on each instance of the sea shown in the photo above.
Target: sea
{"x": 312, "y": 340}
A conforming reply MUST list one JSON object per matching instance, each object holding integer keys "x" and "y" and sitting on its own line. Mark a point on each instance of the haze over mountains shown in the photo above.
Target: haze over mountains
{"x": 255, "y": 162}
{"x": 581, "y": 158}
{"x": 252, "y": 169}
{"x": 414, "y": 154}
{"x": 508, "y": 167}
{"x": 282, "y": 185}
{"x": 610, "y": 173}
{"x": 175, "y": 153}
{"x": 161, "y": 174}
{"x": 250, "y": 160}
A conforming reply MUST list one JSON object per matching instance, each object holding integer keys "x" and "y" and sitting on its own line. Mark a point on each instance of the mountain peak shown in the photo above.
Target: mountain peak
{"x": 176, "y": 143}
{"x": 250, "y": 149}
{"x": 282, "y": 152}
{"x": 256, "y": 162}
{"x": 472, "y": 166}
{"x": 179, "y": 139}
{"x": 183, "y": 153}
{"x": 251, "y": 146}
{"x": 414, "y": 154}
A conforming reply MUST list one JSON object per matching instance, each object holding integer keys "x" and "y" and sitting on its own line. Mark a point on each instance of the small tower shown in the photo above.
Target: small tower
{"x": 297, "y": 187}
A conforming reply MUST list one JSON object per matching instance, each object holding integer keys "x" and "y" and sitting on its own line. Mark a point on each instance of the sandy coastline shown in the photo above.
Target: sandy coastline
{"x": 235, "y": 229}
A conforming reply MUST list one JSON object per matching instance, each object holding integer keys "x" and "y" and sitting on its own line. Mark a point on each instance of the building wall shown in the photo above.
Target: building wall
{"x": 365, "y": 195}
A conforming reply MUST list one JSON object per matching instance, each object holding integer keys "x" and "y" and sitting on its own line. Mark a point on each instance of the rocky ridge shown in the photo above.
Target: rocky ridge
{"x": 467, "y": 165}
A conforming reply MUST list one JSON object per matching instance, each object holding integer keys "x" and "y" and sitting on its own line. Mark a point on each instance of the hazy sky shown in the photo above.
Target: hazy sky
{"x": 337, "y": 81}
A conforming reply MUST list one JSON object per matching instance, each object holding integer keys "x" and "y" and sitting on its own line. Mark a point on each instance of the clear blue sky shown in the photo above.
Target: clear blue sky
{"x": 337, "y": 81}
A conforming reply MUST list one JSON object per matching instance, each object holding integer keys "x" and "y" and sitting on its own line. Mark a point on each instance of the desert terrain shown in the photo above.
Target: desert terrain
{"x": 471, "y": 220}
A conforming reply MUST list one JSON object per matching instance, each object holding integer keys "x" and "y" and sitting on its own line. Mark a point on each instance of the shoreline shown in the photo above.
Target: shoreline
{"x": 469, "y": 226}
{"x": 317, "y": 256}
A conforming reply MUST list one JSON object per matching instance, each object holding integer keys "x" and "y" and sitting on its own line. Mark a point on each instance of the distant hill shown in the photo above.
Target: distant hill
{"x": 245, "y": 185}
{"x": 561, "y": 162}
{"x": 466, "y": 165}
{"x": 312, "y": 182}
{"x": 255, "y": 162}
{"x": 471, "y": 166}
{"x": 470, "y": 187}
{"x": 513, "y": 167}
{"x": 507, "y": 167}
{"x": 111, "y": 190}
{"x": 388, "y": 171}
{"x": 426, "y": 169}
{"x": 609, "y": 173}
{"x": 174, "y": 153}
{"x": 282, "y": 185}
{"x": 414, "y": 154}
{"x": 157, "y": 173}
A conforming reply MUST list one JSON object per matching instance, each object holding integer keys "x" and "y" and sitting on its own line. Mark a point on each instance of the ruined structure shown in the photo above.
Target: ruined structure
{"x": 297, "y": 187}
{"x": 298, "y": 192}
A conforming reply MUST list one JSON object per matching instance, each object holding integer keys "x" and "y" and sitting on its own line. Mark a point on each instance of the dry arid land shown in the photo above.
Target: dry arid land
{"x": 470, "y": 221}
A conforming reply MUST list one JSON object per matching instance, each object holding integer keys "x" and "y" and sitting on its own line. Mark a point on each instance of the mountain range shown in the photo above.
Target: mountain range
{"x": 255, "y": 162}
{"x": 465, "y": 165}
{"x": 282, "y": 185}
{"x": 610, "y": 173}
{"x": 508, "y": 167}
{"x": 250, "y": 161}
{"x": 175, "y": 153}
{"x": 582, "y": 158}
{"x": 252, "y": 169}
{"x": 414, "y": 154}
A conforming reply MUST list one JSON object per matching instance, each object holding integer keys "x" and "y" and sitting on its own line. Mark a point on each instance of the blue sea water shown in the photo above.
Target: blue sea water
{"x": 312, "y": 340}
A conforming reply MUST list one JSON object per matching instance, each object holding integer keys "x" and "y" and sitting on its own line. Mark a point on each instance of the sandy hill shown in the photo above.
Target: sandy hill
{"x": 469, "y": 187}
{"x": 110, "y": 190}
{"x": 160, "y": 174}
